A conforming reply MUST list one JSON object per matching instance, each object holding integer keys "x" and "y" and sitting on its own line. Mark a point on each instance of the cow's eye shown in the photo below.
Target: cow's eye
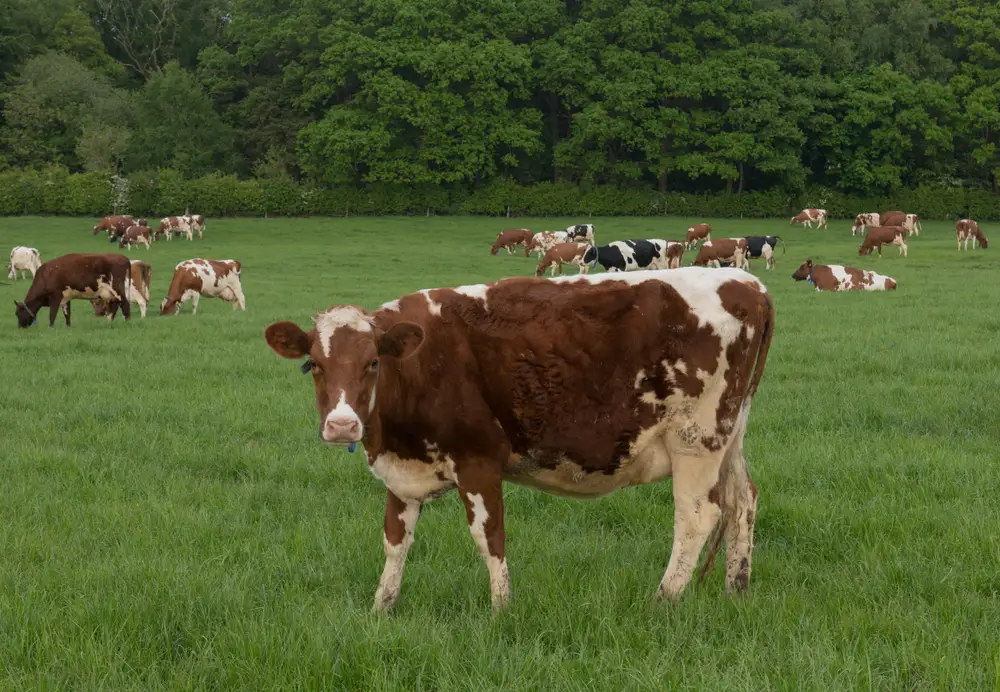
{"x": 373, "y": 365}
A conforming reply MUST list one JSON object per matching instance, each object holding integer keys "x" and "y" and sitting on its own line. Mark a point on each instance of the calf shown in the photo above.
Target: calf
{"x": 763, "y": 246}
{"x": 114, "y": 224}
{"x": 544, "y": 241}
{"x": 807, "y": 217}
{"x": 23, "y": 260}
{"x": 135, "y": 235}
{"x": 836, "y": 277}
{"x": 862, "y": 221}
{"x": 77, "y": 275}
{"x": 198, "y": 277}
{"x": 714, "y": 252}
{"x": 966, "y": 230}
{"x": 173, "y": 224}
{"x": 137, "y": 292}
{"x": 583, "y": 231}
{"x": 457, "y": 388}
{"x": 564, "y": 253}
{"x": 511, "y": 238}
{"x": 700, "y": 231}
{"x": 883, "y": 235}
{"x": 629, "y": 255}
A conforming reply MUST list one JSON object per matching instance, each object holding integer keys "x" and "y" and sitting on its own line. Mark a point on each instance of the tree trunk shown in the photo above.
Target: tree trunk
{"x": 739, "y": 190}
{"x": 729, "y": 184}
{"x": 663, "y": 182}
{"x": 996, "y": 188}
{"x": 554, "y": 122}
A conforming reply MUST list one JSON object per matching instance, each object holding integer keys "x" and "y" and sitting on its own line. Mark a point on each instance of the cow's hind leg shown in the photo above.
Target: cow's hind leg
{"x": 483, "y": 501}
{"x": 400, "y": 521}
{"x": 696, "y": 514}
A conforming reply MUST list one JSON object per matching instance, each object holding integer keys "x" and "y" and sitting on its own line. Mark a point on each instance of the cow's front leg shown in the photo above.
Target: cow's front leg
{"x": 400, "y": 521}
{"x": 484, "y": 510}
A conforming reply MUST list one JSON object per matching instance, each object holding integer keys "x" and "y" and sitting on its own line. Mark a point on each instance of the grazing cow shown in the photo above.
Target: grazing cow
{"x": 196, "y": 222}
{"x": 674, "y": 254}
{"x": 763, "y": 246}
{"x": 135, "y": 235}
{"x": 892, "y": 218}
{"x": 807, "y": 217}
{"x": 511, "y": 238}
{"x": 76, "y": 275}
{"x": 883, "y": 235}
{"x": 583, "y": 231}
{"x": 173, "y": 224}
{"x": 700, "y": 231}
{"x": 966, "y": 230}
{"x": 137, "y": 292}
{"x": 544, "y": 241}
{"x": 459, "y": 388}
{"x": 714, "y": 252}
{"x": 564, "y": 253}
{"x": 23, "y": 260}
{"x": 862, "y": 221}
{"x": 836, "y": 277}
{"x": 113, "y": 224}
{"x": 198, "y": 277}
{"x": 629, "y": 255}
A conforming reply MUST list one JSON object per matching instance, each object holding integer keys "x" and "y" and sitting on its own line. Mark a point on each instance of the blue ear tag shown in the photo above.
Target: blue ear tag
{"x": 351, "y": 447}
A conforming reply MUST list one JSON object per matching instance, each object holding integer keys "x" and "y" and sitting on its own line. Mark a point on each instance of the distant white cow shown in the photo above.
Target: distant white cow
{"x": 23, "y": 259}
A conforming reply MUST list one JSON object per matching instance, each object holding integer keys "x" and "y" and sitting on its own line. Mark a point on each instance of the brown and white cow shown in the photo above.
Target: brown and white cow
{"x": 460, "y": 388}
{"x": 883, "y": 235}
{"x": 198, "y": 277}
{"x": 137, "y": 292}
{"x": 112, "y": 224}
{"x": 731, "y": 250}
{"x": 836, "y": 277}
{"x": 545, "y": 241}
{"x": 564, "y": 253}
{"x": 912, "y": 224}
{"x": 23, "y": 260}
{"x": 863, "y": 221}
{"x": 75, "y": 276}
{"x": 807, "y": 217}
{"x": 968, "y": 229}
{"x": 510, "y": 238}
{"x": 170, "y": 225}
{"x": 136, "y": 235}
{"x": 700, "y": 231}
{"x": 196, "y": 222}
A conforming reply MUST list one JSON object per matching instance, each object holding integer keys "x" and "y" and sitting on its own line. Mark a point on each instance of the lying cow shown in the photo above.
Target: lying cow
{"x": 545, "y": 241}
{"x": 75, "y": 276}
{"x": 863, "y": 221}
{"x": 23, "y": 260}
{"x": 114, "y": 224}
{"x": 511, "y": 238}
{"x": 966, "y": 230}
{"x": 763, "y": 246}
{"x": 836, "y": 277}
{"x": 583, "y": 231}
{"x": 198, "y": 277}
{"x": 714, "y": 252}
{"x": 700, "y": 231}
{"x": 454, "y": 388}
{"x": 135, "y": 235}
{"x": 629, "y": 255}
{"x": 564, "y": 253}
{"x": 136, "y": 292}
{"x": 807, "y": 217}
{"x": 883, "y": 235}
{"x": 169, "y": 225}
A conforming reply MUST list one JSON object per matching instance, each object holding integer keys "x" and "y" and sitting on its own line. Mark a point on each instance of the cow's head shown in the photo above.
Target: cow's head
{"x": 170, "y": 306}
{"x": 802, "y": 273}
{"x": 97, "y": 228}
{"x": 343, "y": 353}
{"x": 25, "y": 317}
{"x": 10, "y": 271}
{"x": 983, "y": 243}
{"x": 122, "y": 243}
{"x": 142, "y": 222}
{"x": 890, "y": 285}
{"x": 496, "y": 246}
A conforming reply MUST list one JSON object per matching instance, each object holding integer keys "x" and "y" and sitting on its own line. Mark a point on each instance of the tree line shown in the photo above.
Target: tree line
{"x": 858, "y": 97}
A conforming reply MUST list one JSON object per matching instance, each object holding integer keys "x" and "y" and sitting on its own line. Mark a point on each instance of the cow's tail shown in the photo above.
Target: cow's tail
{"x": 783, "y": 249}
{"x": 147, "y": 271}
{"x": 733, "y": 463}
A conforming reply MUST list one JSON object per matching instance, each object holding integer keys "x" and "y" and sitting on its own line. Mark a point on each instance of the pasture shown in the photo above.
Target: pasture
{"x": 170, "y": 519}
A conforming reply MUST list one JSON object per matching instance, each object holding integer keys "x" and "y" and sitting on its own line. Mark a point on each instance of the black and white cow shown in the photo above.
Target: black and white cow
{"x": 764, "y": 246}
{"x": 581, "y": 232}
{"x": 628, "y": 255}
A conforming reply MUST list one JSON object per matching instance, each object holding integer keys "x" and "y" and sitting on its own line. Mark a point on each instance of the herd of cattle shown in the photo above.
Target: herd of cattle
{"x": 112, "y": 282}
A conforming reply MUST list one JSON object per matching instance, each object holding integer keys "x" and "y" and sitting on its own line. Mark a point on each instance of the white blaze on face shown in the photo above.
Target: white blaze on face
{"x": 335, "y": 318}
{"x": 343, "y": 415}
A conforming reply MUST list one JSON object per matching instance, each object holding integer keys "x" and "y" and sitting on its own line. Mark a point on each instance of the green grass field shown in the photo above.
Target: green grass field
{"x": 171, "y": 521}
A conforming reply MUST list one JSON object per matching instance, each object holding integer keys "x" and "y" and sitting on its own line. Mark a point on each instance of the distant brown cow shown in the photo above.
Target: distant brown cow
{"x": 700, "y": 231}
{"x": 564, "y": 253}
{"x": 136, "y": 235}
{"x": 892, "y": 218}
{"x": 836, "y": 277}
{"x": 966, "y": 230}
{"x": 878, "y": 236}
{"x": 198, "y": 277}
{"x": 114, "y": 223}
{"x": 76, "y": 275}
{"x": 807, "y": 217}
{"x": 511, "y": 238}
{"x": 714, "y": 252}
{"x": 138, "y": 291}
{"x": 169, "y": 225}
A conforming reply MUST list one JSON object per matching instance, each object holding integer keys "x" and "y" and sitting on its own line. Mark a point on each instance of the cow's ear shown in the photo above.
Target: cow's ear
{"x": 401, "y": 340}
{"x": 287, "y": 339}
